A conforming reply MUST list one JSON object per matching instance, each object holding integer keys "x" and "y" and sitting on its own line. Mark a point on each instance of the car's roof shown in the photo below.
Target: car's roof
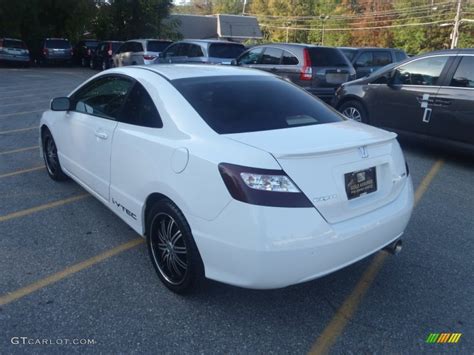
{"x": 182, "y": 71}
{"x": 371, "y": 48}
{"x": 190, "y": 40}
{"x": 292, "y": 45}
{"x": 148, "y": 39}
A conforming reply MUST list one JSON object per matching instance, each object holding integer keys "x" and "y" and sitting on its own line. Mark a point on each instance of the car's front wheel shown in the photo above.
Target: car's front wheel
{"x": 354, "y": 110}
{"x": 172, "y": 249}
{"x": 50, "y": 156}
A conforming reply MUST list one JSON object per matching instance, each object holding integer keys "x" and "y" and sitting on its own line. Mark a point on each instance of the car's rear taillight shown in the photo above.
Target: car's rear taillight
{"x": 307, "y": 70}
{"x": 149, "y": 57}
{"x": 109, "y": 52}
{"x": 45, "y": 51}
{"x": 264, "y": 187}
{"x": 88, "y": 52}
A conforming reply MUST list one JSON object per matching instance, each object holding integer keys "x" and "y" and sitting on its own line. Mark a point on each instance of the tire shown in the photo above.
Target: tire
{"x": 172, "y": 249}
{"x": 354, "y": 110}
{"x": 50, "y": 157}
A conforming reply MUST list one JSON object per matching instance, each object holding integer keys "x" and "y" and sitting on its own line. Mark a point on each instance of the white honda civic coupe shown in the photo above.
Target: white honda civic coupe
{"x": 231, "y": 174}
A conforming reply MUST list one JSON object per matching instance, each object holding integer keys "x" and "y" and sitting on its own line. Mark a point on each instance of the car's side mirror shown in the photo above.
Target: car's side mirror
{"x": 390, "y": 77}
{"x": 61, "y": 104}
{"x": 160, "y": 55}
{"x": 234, "y": 62}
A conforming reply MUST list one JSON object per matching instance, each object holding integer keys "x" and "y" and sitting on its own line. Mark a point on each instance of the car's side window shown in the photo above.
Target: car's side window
{"x": 425, "y": 71}
{"x": 381, "y": 58}
{"x": 399, "y": 56}
{"x": 251, "y": 57}
{"x": 102, "y": 97}
{"x": 139, "y": 109}
{"x": 289, "y": 59}
{"x": 171, "y": 51}
{"x": 364, "y": 60}
{"x": 195, "y": 51}
{"x": 272, "y": 56}
{"x": 464, "y": 75}
{"x": 136, "y": 47}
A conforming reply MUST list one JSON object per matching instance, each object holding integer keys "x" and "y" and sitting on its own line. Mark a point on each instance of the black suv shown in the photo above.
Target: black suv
{"x": 319, "y": 70}
{"x": 102, "y": 56}
{"x": 431, "y": 95}
{"x": 52, "y": 50}
{"x": 368, "y": 60}
{"x": 84, "y": 50}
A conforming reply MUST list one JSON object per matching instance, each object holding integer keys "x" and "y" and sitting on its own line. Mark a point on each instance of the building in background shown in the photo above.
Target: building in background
{"x": 228, "y": 27}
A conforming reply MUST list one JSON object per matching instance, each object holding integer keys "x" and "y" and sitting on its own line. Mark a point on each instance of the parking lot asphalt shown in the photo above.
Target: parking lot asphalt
{"x": 63, "y": 278}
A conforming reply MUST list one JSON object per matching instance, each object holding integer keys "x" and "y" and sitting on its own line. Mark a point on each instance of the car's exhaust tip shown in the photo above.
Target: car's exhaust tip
{"x": 394, "y": 248}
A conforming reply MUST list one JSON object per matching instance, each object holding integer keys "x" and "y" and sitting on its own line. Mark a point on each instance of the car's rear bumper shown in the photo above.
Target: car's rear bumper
{"x": 14, "y": 58}
{"x": 268, "y": 247}
{"x": 325, "y": 94}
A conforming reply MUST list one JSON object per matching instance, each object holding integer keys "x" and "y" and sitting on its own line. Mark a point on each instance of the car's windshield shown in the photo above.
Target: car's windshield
{"x": 157, "y": 46}
{"x": 349, "y": 53}
{"x": 12, "y": 43}
{"x": 237, "y": 104}
{"x": 91, "y": 44}
{"x": 57, "y": 43}
{"x": 327, "y": 57}
{"x": 225, "y": 50}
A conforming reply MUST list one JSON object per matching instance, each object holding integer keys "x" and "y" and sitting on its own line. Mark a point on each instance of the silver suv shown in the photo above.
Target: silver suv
{"x": 201, "y": 51}
{"x": 139, "y": 52}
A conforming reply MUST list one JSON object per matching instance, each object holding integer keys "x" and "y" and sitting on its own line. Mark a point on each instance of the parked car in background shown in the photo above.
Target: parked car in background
{"x": 429, "y": 96}
{"x": 53, "y": 50}
{"x": 201, "y": 51}
{"x": 14, "y": 51}
{"x": 102, "y": 56}
{"x": 319, "y": 70}
{"x": 84, "y": 50}
{"x": 367, "y": 60}
{"x": 139, "y": 52}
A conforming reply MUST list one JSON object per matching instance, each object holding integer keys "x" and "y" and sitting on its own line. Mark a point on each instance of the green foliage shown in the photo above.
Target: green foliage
{"x": 75, "y": 19}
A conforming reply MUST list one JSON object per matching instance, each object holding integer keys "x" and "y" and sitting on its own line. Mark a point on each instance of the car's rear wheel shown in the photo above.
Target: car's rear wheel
{"x": 50, "y": 156}
{"x": 172, "y": 249}
{"x": 354, "y": 110}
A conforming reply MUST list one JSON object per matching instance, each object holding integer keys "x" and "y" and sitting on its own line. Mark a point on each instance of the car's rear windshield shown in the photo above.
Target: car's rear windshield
{"x": 91, "y": 44}
{"x": 11, "y": 43}
{"x": 238, "y": 104}
{"x": 349, "y": 53}
{"x": 225, "y": 50}
{"x": 157, "y": 46}
{"x": 327, "y": 57}
{"x": 57, "y": 43}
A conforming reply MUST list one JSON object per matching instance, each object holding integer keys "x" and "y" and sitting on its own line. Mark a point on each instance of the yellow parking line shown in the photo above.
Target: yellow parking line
{"x": 20, "y": 113}
{"x": 19, "y": 150}
{"x": 18, "y": 172}
{"x": 22, "y": 292}
{"x": 344, "y": 314}
{"x": 39, "y": 208}
{"x": 18, "y": 130}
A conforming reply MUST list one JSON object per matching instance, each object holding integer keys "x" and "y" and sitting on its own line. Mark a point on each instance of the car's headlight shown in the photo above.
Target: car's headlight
{"x": 264, "y": 187}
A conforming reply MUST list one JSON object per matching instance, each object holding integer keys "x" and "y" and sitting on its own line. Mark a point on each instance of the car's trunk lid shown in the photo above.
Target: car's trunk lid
{"x": 317, "y": 158}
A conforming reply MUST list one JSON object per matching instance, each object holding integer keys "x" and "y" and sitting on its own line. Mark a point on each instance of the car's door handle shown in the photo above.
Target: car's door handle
{"x": 101, "y": 135}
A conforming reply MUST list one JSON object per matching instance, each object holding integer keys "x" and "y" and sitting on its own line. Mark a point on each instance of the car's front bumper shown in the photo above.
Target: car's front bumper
{"x": 269, "y": 247}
